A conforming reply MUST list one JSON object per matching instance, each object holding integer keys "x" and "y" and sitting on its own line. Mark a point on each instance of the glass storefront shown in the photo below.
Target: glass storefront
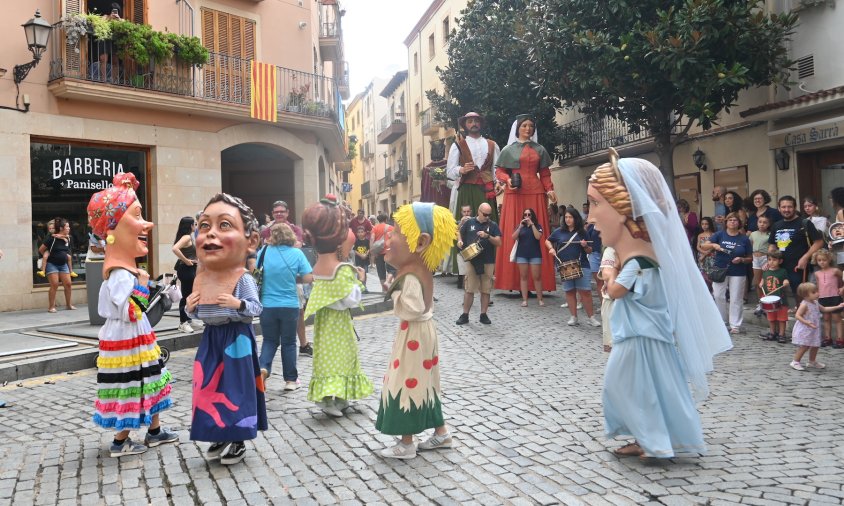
{"x": 64, "y": 176}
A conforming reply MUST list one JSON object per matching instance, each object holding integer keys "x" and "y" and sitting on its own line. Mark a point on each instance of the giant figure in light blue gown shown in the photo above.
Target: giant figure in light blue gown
{"x": 665, "y": 328}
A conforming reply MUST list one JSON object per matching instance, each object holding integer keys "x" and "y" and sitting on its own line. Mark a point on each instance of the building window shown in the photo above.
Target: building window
{"x": 64, "y": 176}
{"x": 231, "y": 40}
{"x": 431, "y": 47}
{"x": 418, "y": 161}
{"x": 415, "y": 63}
{"x": 416, "y": 112}
{"x": 732, "y": 178}
{"x": 446, "y": 31}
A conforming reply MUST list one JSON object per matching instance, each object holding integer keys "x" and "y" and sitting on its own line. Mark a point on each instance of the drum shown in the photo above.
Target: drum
{"x": 471, "y": 251}
{"x": 570, "y": 270}
{"x": 771, "y": 303}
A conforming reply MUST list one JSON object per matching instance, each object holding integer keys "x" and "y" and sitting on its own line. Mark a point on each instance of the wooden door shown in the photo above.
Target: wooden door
{"x": 687, "y": 187}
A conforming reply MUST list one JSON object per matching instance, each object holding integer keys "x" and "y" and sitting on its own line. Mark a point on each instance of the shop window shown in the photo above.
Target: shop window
{"x": 64, "y": 176}
{"x": 733, "y": 179}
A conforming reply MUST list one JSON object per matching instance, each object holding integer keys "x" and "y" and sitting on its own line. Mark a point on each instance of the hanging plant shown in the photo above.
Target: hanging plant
{"x": 100, "y": 25}
{"x": 75, "y": 27}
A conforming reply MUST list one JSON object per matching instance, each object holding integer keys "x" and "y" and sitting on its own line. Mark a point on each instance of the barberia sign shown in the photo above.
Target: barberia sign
{"x": 815, "y": 133}
{"x": 83, "y": 173}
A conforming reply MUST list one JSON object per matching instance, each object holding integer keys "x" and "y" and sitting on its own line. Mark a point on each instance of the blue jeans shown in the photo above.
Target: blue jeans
{"x": 278, "y": 325}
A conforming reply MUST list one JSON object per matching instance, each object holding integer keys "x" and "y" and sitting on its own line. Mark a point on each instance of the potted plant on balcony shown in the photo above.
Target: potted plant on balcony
{"x": 76, "y": 27}
{"x": 296, "y": 99}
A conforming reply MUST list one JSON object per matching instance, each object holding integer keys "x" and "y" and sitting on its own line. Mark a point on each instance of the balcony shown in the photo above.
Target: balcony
{"x": 221, "y": 88}
{"x": 589, "y": 135}
{"x": 364, "y": 189}
{"x": 330, "y": 31}
{"x": 366, "y": 150}
{"x": 393, "y": 126}
{"x": 343, "y": 80}
{"x": 384, "y": 183}
{"x": 400, "y": 174}
{"x": 430, "y": 125}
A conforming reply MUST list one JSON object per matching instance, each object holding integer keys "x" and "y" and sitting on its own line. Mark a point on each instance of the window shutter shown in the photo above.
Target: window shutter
{"x": 209, "y": 40}
{"x": 231, "y": 40}
{"x": 71, "y": 57}
{"x": 139, "y": 11}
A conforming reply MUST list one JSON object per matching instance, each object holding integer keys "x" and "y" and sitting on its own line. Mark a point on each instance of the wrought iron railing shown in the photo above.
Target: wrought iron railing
{"x": 429, "y": 119}
{"x": 223, "y": 79}
{"x": 589, "y": 134}
{"x": 400, "y": 174}
{"x": 391, "y": 118}
{"x": 384, "y": 183}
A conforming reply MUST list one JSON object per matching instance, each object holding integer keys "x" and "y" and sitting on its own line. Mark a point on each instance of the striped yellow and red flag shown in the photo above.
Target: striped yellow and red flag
{"x": 264, "y": 88}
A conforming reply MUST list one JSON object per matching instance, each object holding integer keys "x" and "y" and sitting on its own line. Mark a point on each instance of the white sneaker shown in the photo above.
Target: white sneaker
{"x": 329, "y": 408}
{"x": 572, "y": 320}
{"x": 186, "y": 328}
{"x": 564, "y": 304}
{"x": 436, "y": 441}
{"x": 290, "y": 386}
{"x": 593, "y": 321}
{"x": 399, "y": 451}
{"x": 197, "y": 324}
{"x": 579, "y": 305}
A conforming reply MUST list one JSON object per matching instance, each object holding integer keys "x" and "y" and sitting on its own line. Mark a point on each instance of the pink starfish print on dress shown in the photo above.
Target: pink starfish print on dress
{"x": 204, "y": 398}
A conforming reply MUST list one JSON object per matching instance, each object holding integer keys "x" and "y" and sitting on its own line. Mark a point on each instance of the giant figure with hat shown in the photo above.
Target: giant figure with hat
{"x": 471, "y": 163}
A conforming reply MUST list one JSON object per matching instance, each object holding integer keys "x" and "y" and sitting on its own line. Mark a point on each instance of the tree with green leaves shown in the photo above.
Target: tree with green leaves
{"x": 488, "y": 73}
{"x": 660, "y": 66}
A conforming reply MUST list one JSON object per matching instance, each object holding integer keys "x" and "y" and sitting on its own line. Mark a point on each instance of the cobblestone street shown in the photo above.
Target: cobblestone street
{"x": 522, "y": 397}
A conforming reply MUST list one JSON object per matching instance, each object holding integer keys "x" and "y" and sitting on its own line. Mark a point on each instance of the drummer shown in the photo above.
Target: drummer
{"x": 478, "y": 233}
{"x": 774, "y": 281}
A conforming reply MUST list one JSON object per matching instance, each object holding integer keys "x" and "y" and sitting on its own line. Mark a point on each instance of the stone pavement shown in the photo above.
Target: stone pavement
{"x": 522, "y": 397}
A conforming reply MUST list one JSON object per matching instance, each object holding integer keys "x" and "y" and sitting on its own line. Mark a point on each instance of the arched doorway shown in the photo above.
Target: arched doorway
{"x": 260, "y": 174}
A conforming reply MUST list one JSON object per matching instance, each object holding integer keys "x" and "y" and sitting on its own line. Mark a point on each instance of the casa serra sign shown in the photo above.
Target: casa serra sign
{"x": 806, "y": 134}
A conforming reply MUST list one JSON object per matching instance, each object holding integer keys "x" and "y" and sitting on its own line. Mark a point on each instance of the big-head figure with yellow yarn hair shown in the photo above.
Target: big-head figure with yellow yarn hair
{"x": 665, "y": 326}
{"x": 411, "y": 396}
{"x": 133, "y": 386}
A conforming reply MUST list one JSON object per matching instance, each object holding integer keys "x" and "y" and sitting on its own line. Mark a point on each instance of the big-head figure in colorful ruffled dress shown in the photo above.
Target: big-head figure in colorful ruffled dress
{"x": 411, "y": 397}
{"x": 337, "y": 376}
{"x": 133, "y": 386}
{"x": 665, "y": 326}
{"x": 228, "y": 392}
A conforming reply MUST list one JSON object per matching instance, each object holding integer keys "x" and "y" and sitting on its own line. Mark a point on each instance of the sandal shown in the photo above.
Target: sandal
{"x": 541, "y": 303}
{"x": 71, "y": 307}
{"x": 629, "y": 450}
{"x": 524, "y": 303}
{"x": 51, "y": 310}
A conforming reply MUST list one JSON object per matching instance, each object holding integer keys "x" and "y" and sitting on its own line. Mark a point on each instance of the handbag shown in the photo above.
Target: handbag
{"x": 258, "y": 271}
{"x": 40, "y": 262}
{"x": 513, "y": 251}
{"x": 717, "y": 274}
{"x": 570, "y": 269}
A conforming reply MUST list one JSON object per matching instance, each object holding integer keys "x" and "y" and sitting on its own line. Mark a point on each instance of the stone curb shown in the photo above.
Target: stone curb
{"x": 60, "y": 363}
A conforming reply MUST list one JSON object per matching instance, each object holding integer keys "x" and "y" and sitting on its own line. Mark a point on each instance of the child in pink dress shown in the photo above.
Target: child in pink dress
{"x": 807, "y": 333}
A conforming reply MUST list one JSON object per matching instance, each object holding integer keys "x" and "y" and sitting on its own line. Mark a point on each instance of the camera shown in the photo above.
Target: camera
{"x": 525, "y": 223}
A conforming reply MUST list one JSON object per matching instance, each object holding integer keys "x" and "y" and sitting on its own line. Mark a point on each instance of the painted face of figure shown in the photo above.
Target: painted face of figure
{"x": 221, "y": 243}
{"x": 397, "y": 252}
{"x": 526, "y": 130}
{"x": 473, "y": 125}
{"x": 132, "y": 232}
{"x": 606, "y": 219}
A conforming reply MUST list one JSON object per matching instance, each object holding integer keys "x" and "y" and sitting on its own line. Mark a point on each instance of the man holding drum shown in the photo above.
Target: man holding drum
{"x": 479, "y": 236}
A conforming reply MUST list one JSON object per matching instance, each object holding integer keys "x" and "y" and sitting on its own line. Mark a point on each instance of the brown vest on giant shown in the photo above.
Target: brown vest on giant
{"x": 479, "y": 177}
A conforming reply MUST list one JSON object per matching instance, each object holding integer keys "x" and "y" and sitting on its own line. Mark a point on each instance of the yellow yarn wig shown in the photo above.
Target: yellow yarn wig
{"x": 425, "y": 217}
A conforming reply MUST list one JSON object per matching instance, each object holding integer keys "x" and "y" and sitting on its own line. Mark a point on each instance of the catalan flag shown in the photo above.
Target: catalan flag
{"x": 264, "y": 88}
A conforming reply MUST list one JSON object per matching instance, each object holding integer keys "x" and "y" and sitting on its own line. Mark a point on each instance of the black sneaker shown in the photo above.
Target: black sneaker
{"x": 216, "y": 450}
{"x": 306, "y": 350}
{"x": 782, "y": 339}
{"x": 234, "y": 454}
{"x": 767, "y": 336}
{"x": 485, "y": 319}
{"x": 463, "y": 320}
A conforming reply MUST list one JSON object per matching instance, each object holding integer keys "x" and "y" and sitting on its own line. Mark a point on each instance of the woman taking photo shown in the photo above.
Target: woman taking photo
{"x": 529, "y": 254}
{"x": 184, "y": 248}
{"x": 284, "y": 266}
{"x": 761, "y": 199}
{"x": 58, "y": 265}
{"x": 734, "y": 252}
{"x": 525, "y": 160}
{"x": 569, "y": 243}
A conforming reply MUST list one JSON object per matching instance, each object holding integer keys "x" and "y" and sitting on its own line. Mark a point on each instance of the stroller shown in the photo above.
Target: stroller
{"x": 163, "y": 291}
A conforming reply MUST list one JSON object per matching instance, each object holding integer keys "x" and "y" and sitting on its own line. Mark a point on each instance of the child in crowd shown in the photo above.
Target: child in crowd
{"x": 228, "y": 407}
{"x": 806, "y": 332}
{"x": 609, "y": 262}
{"x": 830, "y": 290}
{"x": 337, "y": 375}
{"x": 133, "y": 386}
{"x": 411, "y": 396}
{"x": 759, "y": 240}
{"x": 774, "y": 281}
{"x": 361, "y": 250}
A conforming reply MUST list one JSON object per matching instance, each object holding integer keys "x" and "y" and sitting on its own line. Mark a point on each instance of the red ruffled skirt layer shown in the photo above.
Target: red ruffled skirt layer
{"x": 507, "y": 272}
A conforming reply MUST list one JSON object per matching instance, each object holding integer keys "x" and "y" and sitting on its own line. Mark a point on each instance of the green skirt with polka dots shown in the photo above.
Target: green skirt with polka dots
{"x": 337, "y": 371}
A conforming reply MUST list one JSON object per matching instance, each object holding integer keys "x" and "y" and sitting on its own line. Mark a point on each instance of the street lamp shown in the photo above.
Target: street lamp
{"x": 385, "y": 164}
{"x": 37, "y": 32}
{"x": 782, "y": 159}
{"x": 699, "y": 158}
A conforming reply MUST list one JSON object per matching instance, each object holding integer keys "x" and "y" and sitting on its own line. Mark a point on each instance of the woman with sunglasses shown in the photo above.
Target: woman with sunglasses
{"x": 528, "y": 254}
